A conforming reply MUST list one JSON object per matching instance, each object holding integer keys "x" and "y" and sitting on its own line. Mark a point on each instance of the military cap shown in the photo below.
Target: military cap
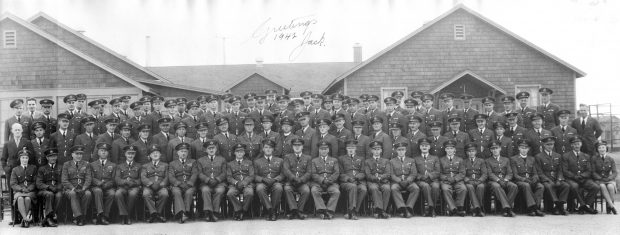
{"x": 413, "y": 118}
{"x": 323, "y": 144}
{"x": 103, "y": 145}
{"x": 447, "y": 95}
{"x": 130, "y": 148}
{"x": 454, "y": 120}
{"x": 480, "y": 116}
{"x": 269, "y": 142}
{"x": 305, "y": 94}
{"x": 297, "y": 102}
{"x": 155, "y": 99}
{"x": 449, "y": 143}
{"x": 395, "y": 125}
{"x": 375, "y": 144}
{"x": 359, "y": 123}
{"x": 201, "y": 98}
{"x": 508, "y": 99}
{"x": 411, "y": 102}
{"x": 145, "y": 98}
{"x": 338, "y": 97}
{"x": 500, "y": 124}
{"x": 389, "y": 100}
{"x": 397, "y": 94}
{"x": 523, "y": 142}
{"x": 488, "y": 100}
{"x": 115, "y": 101}
{"x": 69, "y": 98}
{"x": 324, "y": 121}
{"x": 495, "y": 144}
{"x": 401, "y": 145}
{"x": 221, "y": 121}
{"x": 111, "y": 119}
{"x": 154, "y": 148}
{"x": 37, "y": 125}
{"x": 422, "y": 141}
{"x": 286, "y": 121}
{"x": 46, "y": 102}
{"x": 537, "y": 116}
{"x": 271, "y": 92}
{"x": 511, "y": 115}
{"x": 125, "y": 125}
{"x": 338, "y": 116}
{"x": 210, "y": 143}
{"x": 125, "y": 98}
{"x": 202, "y": 126}
{"x": 226, "y": 97}
{"x": 261, "y": 98}
{"x": 302, "y": 114}
{"x": 135, "y": 105}
{"x": 80, "y": 96}
{"x": 238, "y": 147}
{"x": 89, "y": 119}
{"x": 16, "y": 102}
{"x": 249, "y": 96}
{"x": 469, "y": 146}
{"x": 170, "y": 103}
{"x": 266, "y": 118}
{"x": 77, "y": 149}
{"x": 164, "y": 120}
{"x": 428, "y": 97}
{"x": 466, "y": 96}
{"x": 548, "y": 139}
{"x": 181, "y": 100}
{"x": 327, "y": 99}
{"x": 23, "y": 152}
{"x": 192, "y": 103}
{"x": 376, "y": 119}
{"x": 51, "y": 152}
{"x": 364, "y": 97}
{"x": 297, "y": 141}
{"x": 101, "y": 101}
{"x": 234, "y": 99}
{"x": 353, "y": 100}
{"x": 282, "y": 98}
{"x": 417, "y": 94}
{"x": 144, "y": 127}
{"x": 181, "y": 146}
{"x": 211, "y": 98}
{"x": 94, "y": 103}
{"x": 350, "y": 143}
{"x": 180, "y": 124}
{"x": 522, "y": 95}
{"x": 575, "y": 139}
{"x": 563, "y": 112}
{"x": 435, "y": 124}
{"x": 373, "y": 98}
{"x": 63, "y": 116}
{"x": 249, "y": 120}
{"x": 598, "y": 143}
{"x": 545, "y": 90}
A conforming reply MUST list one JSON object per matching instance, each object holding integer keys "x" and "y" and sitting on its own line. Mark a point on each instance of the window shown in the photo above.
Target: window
{"x": 387, "y": 92}
{"x": 459, "y": 32}
{"x": 9, "y": 38}
{"x": 533, "y": 90}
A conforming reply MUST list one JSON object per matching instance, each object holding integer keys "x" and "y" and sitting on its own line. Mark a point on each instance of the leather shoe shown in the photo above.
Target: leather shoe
{"x": 241, "y": 215}
{"x": 613, "y": 210}
{"x": 80, "y": 222}
{"x": 354, "y": 215}
{"x": 51, "y": 223}
{"x": 301, "y": 215}
{"x": 183, "y": 218}
{"x": 104, "y": 221}
{"x": 214, "y": 217}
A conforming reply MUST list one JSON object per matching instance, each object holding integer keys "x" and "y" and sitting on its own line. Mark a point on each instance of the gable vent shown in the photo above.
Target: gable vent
{"x": 9, "y": 39}
{"x": 459, "y": 32}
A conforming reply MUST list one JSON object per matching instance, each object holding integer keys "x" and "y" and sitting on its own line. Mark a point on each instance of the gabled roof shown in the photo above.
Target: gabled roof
{"x": 460, "y": 75}
{"x": 460, "y": 6}
{"x": 67, "y": 47}
{"x": 294, "y": 76}
{"x": 96, "y": 44}
{"x": 183, "y": 87}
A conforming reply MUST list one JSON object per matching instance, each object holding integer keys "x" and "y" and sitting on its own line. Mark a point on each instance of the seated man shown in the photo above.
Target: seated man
{"x": 103, "y": 187}
{"x": 269, "y": 175}
{"x": 154, "y": 177}
{"x": 50, "y": 189}
{"x": 577, "y": 170}
{"x": 404, "y": 173}
{"x": 475, "y": 178}
{"x": 212, "y": 174}
{"x": 352, "y": 176}
{"x": 325, "y": 172}
{"x": 297, "y": 169}
{"x": 182, "y": 174}
{"x": 526, "y": 177}
{"x": 452, "y": 174}
{"x": 377, "y": 170}
{"x": 428, "y": 175}
{"x": 76, "y": 180}
{"x": 240, "y": 175}
{"x": 127, "y": 179}
{"x": 550, "y": 174}
{"x": 500, "y": 178}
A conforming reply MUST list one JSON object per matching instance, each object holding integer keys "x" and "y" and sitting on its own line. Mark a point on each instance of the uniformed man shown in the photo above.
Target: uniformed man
{"x": 76, "y": 180}
{"x": 394, "y": 116}
{"x": 240, "y": 176}
{"x": 526, "y": 177}
{"x": 341, "y": 133}
{"x": 508, "y": 146}
{"x": 577, "y": 169}
{"x": 182, "y": 173}
{"x": 267, "y": 133}
{"x": 452, "y": 175}
{"x": 374, "y": 112}
{"x": 379, "y": 135}
{"x": 99, "y": 126}
{"x": 323, "y": 135}
{"x": 548, "y": 109}
{"x": 307, "y": 98}
{"x": 142, "y": 144}
{"x": 181, "y": 111}
{"x": 509, "y": 105}
{"x": 468, "y": 112}
{"x": 110, "y": 134}
{"x": 139, "y": 118}
{"x": 259, "y": 111}
{"x": 305, "y": 132}
{"x": 475, "y": 178}
{"x": 364, "y": 103}
{"x": 49, "y": 187}
{"x": 437, "y": 141}
{"x": 162, "y": 137}
{"x": 250, "y": 139}
{"x": 157, "y": 103}
{"x": 514, "y": 131}
{"x": 154, "y": 178}
{"x": 428, "y": 175}
{"x": 284, "y": 145}
{"x": 563, "y": 132}
{"x": 269, "y": 177}
{"x": 378, "y": 173}
{"x": 127, "y": 178}
{"x": 536, "y": 134}
{"x": 39, "y": 143}
{"x": 500, "y": 178}
{"x": 524, "y": 111}
{"x": 170, "y": 110}
{"x": 103, "y": 184}
{"x": 63, "y": 139}
{"x": 481, "y": 135}
{"x": 46, "y": 117}
{"x": 460, "y": 137}
{"x": 550, "y": 174}
{"x": 395, "y": 134}
{"x": 430, "y": 114}
{"x": 358, "y": 114}
{"x": 75, "y": 124}
{"x": 489, "y": 110}
{"x": 398, "y": 95}
{"x": 417, "y": 96}
{"x": 283, "y": 112}
{"x": 87, "y": 139}
{"x": 80, "y": 103}
{"x": 352, "y": 176}
{"x": 325, "y": 173}
{"x": 404, "y": 173}
{"x": 202, "y": 137}
{"x": 211, "y": 114}
{"x": 298, "y": 170}
{"x": 414, "y": 134}
{"x": 361, "y": 149}
{"x": 328, "y": 104}
{"x": 116, "y": 110}
{"x": 410, "y": 107}
{"x": 124, "y": 140}
{"x": 225, "y": 139}
{"x": 212, "y": 175}
{"x": 181, "y": 137}
{"x": 250, "y": 101}
{"x": 270, "y": 97}
{"x": 235, "y": 117}
{"x": 450, "y": 111}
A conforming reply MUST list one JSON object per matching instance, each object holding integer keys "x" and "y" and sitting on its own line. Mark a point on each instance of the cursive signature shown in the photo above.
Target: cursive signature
{"x": 298, "y": 30}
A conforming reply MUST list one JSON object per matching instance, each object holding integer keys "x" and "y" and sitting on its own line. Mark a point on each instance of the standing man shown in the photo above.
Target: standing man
{"x": 450, "y": 111}
{"x": 437, "y": 141}
{"x": 87, "y": 139}
{"x": 76, "y": 180}
{"x": 63, "y": 139}
{"x": 341, "y": 133}
{"x": 192, "y": 119}
{"x": 162, "y": 137}
{"x": 75, "y": 124}
{"x": 225, "y": 139}
{"x": 481, "y": 136}
{"x": 306, "y": 133}
{"x": 524, "y": 111}
{"x": 323, "y": 135}
{"x": 460, "y": 137}
{"x": 379, "y": 135}
{"x": 39, "y": 143}
{"x": 181, "y": 130}
{"x": 251, "y": 140}
{"x": 469, "y": 113}
{"x": 588, "y": 129}
{"x": 235, "y": 117}
{"x": 378, "y": 173}
{"x": 46, "y": 117}
{"x": 298, "y": 170}
{"x": 374, "y": 112}
{"x": 404, "y": 173}
{"x": 325, "y": 172}
{"x": 283, "y": 112}
{"x": 361, "y": 149}
{"x": 414, "y": 134}
{"x": 548, "y": 109}
{"x": 563, "y": 133}
{"x": 212, "y": 175}
{"x": 430, "y": 114}
{"x": 284, "y": 143}
{"x": 394, "y": 116}
{"x": 269, "y": 176}
{"x": 18, "y": 108}
{"x": 489, "y": 110}
{"x": 536, "y": 134}
{"x": 124, "y": 140}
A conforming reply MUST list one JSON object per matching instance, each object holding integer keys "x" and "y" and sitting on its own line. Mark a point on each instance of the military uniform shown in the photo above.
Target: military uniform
{"x": 39, "y": 146}
{"x": 252, "y": 143}
{"x": 283, "y": 144}
{"x": 49, "y": 186}
{"x": 88, "y": 141}
{"x": 352, "y": 180}
{"x": 428, "y": 177}
{"x": 461, "y": 138}
{"x": 154, "y": 178}
{"x": 63, "y": 143}
{"x": 297, "y": 169}
{"x": 577, "y": 169}
{"x": 103, "y": 185}
{"x": 307, "y": 134}
{"x": 475, "y": 180}
{"x": 212, "y": 174}
{"x": 452, "y": 175}
{"x": 550, "y": 115}
{"x": 552, "y": 178}
{"x": 117, "y": 149}
{"x": 325, "y": 172}
{"x": 500, "y": 180}
{"x": 535, "y": 137}
{"x": 127, "y": 178}
{"x": 182, "y": 176}
{"x": 482, "y": 138}
{"x": 240, "y": 177}
{"x": 269, "y": 175}
{"x": 378, "y": 173}
{"x": 562, "y": 136}
{"x": 76, "y": 180}
{"x": 527, "y": 179}
{"x": 404, "y": 173}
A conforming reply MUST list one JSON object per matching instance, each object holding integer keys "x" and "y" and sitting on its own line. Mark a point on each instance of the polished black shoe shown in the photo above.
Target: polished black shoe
{"x": 329, "y": 215}
{"x": 354, "y": 215}
{"x": 385, "y": 215}
{"x": 183, "y": 218}
{"x": 301, "y": 215}
{"x": 539, "y": 213}
{"x": 161, "y": 218}
{"x": 241, "y": 215}
{"x": 50, "y": 222}
{"x": 613, "y": 210}
{"x": 80, "y": 222}
{"x": 214, "y": 217}
{"x": 104, "y": 221}
{"x": 347, "y": 215}
{"x": 512, "y": 213}
{"x": 506, "y": 213}
{"x": 150, "y": 219}
{"x": 588, "y": 210}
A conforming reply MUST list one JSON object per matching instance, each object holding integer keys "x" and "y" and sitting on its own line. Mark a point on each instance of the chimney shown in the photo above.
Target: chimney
{"x": 259, "y": 62}
{"x": 357, "y": 53}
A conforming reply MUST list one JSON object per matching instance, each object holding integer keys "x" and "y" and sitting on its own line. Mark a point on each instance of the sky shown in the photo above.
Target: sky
{"x": 584, "y": 33}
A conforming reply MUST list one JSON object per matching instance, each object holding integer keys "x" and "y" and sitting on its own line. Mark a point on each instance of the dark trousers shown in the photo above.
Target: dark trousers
{"x": 183, "y": 198}
{"x": 533, "y": 193}
{"x": 588, "y": 186}
{"x": 430, "y": 191}
{"x": 270, "y": 196}
{"x": 476, "y": 193}
{"x": 380, "y": 194}
{"x": 79, "y": 201}
{"x": 397, "y": 196}
{"x": 103, "y": 199}
{"x": 212, "y": 197}
{"x": 356, "y": 192}
{"x": 51, "y": 200}
{"x": 155, "y": 205}
{"x": 449, "y": 190}
{"x": 304, "y": 194}
{"x": 557, "y": 191}
{"x": 505, "y": 193}
{"x": 125, "y": 199}
{"x": 334, "y": 193}
{"x": 248, "y": 195}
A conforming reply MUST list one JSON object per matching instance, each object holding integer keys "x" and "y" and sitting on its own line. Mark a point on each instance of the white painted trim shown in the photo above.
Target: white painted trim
{"x": 47, "y": 17}
{"x": 67, "y": 47}
{"x": 460, "y": 75}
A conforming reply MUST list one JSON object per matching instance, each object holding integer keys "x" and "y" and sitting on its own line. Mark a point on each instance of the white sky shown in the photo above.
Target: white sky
{"x": 585, "y": 33}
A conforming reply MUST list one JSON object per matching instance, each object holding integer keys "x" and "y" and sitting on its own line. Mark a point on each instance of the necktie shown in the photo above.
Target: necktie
{"x": 239, "y": 162}
{"x": 538, "y": 133}
{"x": 39, "y": 139}
{"x": 563, "y": 129}
{"x": 182, "y": 139}
{"x": 112, "y": 134}
{"x": 480, "y": 131}
{"x": 402, "y": 159}
{"x": 102, "y": 162}
{"x": 357, "y": 137}
{"x": 90, "y": 136}
{"x": 261, "y": 112}
{"x": 76, "y": 165}
{"x": 48, "y": 118}
{"x": 194, "y": 118}
{"x": 183, "y": 162}
{"x": 583, "y": 123}
{"x": 211, "y": 158}
{"x": 269, "y": 159}
{"x": 166, "y": 136}
{"x": 454, "y": 133}
{"x": 63, "y": 135}
{"x": 226, "y": 134}
{"x": 53, "y": 166}
{"x": 19, "y": 119}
